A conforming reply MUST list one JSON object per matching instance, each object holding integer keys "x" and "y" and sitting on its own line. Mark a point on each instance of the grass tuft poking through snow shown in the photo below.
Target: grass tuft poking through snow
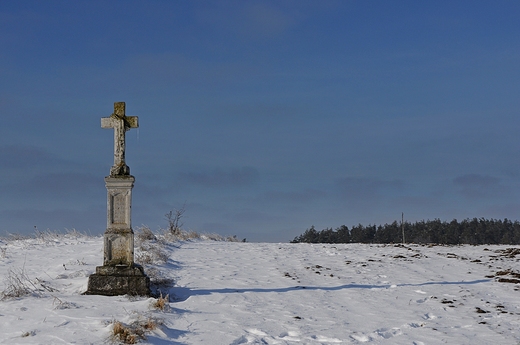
{"x": 18, "y": 284}
{"x": 162, "y": 303}
{"x": 125, "y": 334}
{"x": 135, "y": 332}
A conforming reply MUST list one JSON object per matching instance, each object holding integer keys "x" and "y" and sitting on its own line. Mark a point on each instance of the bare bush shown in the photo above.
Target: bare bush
{"x": 18, "y": 284}
{"x": 174, "y": 220}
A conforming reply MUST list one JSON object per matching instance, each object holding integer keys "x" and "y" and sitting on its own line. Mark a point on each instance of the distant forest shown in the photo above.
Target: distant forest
{"x": 469, "y": 231}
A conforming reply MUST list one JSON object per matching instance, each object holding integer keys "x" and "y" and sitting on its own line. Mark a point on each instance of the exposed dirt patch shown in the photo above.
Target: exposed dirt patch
{"x": 509, "y": 252}
{"x": 506, "y": 276}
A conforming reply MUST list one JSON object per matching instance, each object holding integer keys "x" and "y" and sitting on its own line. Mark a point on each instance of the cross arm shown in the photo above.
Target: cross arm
{"x": 132, "y": 121}
{"x": 112, "y": 121}
{"x": 107, "y": 122}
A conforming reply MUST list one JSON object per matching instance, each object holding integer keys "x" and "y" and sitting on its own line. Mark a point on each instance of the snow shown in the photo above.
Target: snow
{"x": 266, "y": 293}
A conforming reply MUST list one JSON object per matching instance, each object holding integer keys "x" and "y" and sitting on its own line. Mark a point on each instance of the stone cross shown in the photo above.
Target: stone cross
{"x": 119, "y": 274}
{"x": 120, "y": 123}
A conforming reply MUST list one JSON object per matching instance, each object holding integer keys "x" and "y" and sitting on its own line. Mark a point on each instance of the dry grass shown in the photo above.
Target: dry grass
{"x": 151, "y": 253}
{"x": 18, "y": 284}
{"x": 124, "y": 333}
{"x": 133, "y": 333}
{"x": 149, "y": 325}
{"x": 45, "y": 236}
{"x": 162, "y": 303}
{"x": 143, "y": 233}
{"x": 180, "y": 235}
{"x": 16, "y": 237}
{"x": 185, "y": 235}
{"x": 150, "y": 249}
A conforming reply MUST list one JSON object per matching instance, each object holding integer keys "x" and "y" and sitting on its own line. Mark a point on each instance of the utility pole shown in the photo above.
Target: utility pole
{"x": 402, "y": 224}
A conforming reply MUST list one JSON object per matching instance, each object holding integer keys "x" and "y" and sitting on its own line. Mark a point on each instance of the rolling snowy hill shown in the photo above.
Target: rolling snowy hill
{"x": 263, "y": 293}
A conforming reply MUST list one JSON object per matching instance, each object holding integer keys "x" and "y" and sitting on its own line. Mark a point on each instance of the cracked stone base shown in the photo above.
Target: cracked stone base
{"x": 119, "y": 280}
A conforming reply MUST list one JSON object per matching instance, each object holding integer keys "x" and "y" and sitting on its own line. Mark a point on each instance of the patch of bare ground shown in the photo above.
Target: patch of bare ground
{"x": 506, "y": 276}
{"x": 509, "y": 252}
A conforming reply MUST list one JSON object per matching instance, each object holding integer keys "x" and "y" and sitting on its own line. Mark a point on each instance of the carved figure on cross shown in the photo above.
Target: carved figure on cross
{"x": 120, "y": 123}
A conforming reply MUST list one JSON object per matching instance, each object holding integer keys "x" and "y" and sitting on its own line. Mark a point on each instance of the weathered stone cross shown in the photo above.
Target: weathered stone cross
{"x": 119, "y": 274}
{"x": 120, "y": 123}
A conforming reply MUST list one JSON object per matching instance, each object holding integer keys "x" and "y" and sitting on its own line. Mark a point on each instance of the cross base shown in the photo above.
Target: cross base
{"x": 119, "y": 280}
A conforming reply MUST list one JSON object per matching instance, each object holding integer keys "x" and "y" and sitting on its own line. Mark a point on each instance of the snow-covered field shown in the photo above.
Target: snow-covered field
{"x": 265, "y": 293}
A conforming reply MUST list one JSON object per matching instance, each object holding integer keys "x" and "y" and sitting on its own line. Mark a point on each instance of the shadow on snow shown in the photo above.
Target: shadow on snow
{"x": 183, "y": 293}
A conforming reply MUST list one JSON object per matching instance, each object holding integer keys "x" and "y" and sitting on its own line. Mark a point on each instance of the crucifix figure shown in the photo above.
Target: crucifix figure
{"x": 120, "y": 123}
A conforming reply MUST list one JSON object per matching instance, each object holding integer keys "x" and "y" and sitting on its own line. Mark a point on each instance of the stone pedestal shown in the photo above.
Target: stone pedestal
{"x": 119, "y": 275}
{"x": 119, "y": 236}
{"x": 119, "y": 280}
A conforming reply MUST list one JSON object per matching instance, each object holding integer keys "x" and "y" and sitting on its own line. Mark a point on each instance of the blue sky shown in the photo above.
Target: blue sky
{"x": 261, "y": 117}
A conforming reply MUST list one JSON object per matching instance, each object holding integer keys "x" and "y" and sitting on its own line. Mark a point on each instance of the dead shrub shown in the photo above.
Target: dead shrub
{"x": 174, "y": 220}
{"x": 18, "y": 284}
{"x": 149, "y": 325}
{"x": 125, "y": 334}
{"x": 162, "y": 303}
{"x": 131, "y": 334}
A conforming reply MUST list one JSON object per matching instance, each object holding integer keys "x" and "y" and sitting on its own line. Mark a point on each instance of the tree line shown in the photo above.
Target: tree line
{"x": 469, "y": 231}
